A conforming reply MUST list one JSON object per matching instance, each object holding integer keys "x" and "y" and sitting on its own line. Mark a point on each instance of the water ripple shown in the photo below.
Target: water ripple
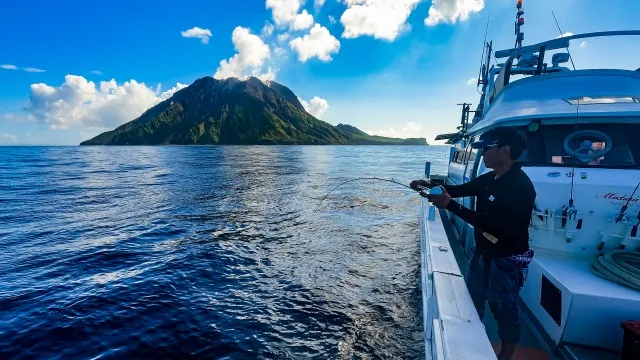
{"x": 209, "y": 252}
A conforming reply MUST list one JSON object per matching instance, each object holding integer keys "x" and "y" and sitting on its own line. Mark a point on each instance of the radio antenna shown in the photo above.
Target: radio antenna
{"x": 519, "y": 22}
{"x": 484, "y": 49}
{"x": 562, "y": 34}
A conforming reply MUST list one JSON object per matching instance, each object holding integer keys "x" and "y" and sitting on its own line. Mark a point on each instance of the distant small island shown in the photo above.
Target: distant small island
{"x": 236, "y": 112}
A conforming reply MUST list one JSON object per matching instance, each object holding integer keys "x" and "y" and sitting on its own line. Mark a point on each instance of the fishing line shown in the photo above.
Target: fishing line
{"x": 364, "y": 178}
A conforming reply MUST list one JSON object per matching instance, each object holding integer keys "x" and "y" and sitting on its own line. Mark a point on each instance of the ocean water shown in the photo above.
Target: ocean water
{"x": 210, "y": 252}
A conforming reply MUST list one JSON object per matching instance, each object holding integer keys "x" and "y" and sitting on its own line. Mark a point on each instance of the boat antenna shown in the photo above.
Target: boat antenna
{"x": 485, "y": 68}
{"x": 484, "y": 49}
{"x": 562, "y": 34}
{"x": 519, "y": 23}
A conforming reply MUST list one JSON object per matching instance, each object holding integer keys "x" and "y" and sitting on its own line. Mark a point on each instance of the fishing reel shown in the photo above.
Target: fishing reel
{"x": 432, "y": 188}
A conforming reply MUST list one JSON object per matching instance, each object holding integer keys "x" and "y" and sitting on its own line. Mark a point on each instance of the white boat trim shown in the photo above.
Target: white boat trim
{"x": 544, "y": 97}
{"x": 452, "y": 328}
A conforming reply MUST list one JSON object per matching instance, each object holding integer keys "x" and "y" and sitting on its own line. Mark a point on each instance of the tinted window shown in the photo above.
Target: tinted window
{"x": 470, "y": 163}
{"x": 586, "y": 100}
{"x": 471, "y": 155}
{"x": 458, "y": 157}
{"x": 586, "y": 145}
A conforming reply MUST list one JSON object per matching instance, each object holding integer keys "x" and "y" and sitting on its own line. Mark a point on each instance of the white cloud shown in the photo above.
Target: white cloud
{"x": 284, "y": 11}
{"x": 252, "y": 53}
{"x": 409, "y": 130}
{"x": 279, "y": 51}
{"x": 316, "y": 107}
{"x": 267, "y": 30}
{"x": 318, "y": 43}
{"x": 332, "y": 20}
{"x": 567, "y": 34}
{"x": 19, "y": 118}
{"x": 382, "y": 19}
{"x": 85, "y": 135}
{"x": 319, "y": 4}
{"x": 283, "y": 37}
{"x": 450, "y": 11}
{"x": 78, "y": 102}
{"x": 29, "y": 69}
{"x": 96, "y": 72}
{"x": 198, "y": 33}
{"x": 270, "y": 75}
{"x": 302, "y": 21}
{"x": 583, "y": 44}
{"x": 472, "y": 81}
{"x": 169, "y": 93}
{"x": 8, "y": 139}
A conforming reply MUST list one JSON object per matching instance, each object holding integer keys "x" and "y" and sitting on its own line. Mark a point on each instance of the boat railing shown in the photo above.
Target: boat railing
{"x": 531, "y": 64}
{"x": 452, "y": 328}
{"x": 555, "y": 44}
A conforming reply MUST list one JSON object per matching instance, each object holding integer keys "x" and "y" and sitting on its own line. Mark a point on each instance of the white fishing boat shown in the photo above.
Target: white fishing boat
{"x": 583, "y": 158}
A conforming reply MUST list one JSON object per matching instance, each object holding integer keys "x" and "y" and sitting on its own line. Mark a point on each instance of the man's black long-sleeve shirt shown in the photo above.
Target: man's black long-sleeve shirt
{"x": 503, "y": 209}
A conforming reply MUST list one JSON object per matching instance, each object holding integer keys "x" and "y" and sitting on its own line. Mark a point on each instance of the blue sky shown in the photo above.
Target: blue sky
{"x": 70, "y": 70}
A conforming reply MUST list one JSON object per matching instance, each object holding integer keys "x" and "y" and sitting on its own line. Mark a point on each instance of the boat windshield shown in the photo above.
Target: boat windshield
{"x": 587, "y": 145}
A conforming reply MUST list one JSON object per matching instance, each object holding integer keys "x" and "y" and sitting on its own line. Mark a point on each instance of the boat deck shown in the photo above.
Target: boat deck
{"x": 530, "y": 346}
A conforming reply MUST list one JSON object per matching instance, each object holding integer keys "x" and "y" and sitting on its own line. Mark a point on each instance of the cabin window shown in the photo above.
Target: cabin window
{"x": 458, "y": 157}
{"x": 587, "y": 100}
{"x": 585, "y": 145}
{"x": 470, "y": 156}
{"x": 471, "y": 163}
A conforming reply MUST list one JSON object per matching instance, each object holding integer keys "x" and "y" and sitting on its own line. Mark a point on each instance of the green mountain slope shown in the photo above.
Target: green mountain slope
{"x": 232, "y": 111}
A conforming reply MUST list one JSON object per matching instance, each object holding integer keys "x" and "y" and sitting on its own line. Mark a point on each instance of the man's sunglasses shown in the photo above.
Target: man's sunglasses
{"x": 489, "y": 147}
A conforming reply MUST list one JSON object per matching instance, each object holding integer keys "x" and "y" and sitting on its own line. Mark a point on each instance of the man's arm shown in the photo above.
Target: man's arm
{"x": 467, "y": 189}
{"x": 499, "y": 214}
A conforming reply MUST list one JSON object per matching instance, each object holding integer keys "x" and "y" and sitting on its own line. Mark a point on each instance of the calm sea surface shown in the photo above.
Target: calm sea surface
{"x": 210, "y": 252}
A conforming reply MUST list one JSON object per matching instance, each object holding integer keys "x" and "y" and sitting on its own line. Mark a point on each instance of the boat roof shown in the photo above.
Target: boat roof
{"x": 600, "y": 93}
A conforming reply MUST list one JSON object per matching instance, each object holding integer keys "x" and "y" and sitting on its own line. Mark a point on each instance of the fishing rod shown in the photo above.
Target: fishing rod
{"x": 367, "y": 178}
{"x": 626, "y": 205}
{"x": 569, "y": 211}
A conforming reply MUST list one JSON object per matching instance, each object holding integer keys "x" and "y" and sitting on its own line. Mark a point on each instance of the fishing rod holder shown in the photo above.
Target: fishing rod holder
{"x": 572, "y": 222}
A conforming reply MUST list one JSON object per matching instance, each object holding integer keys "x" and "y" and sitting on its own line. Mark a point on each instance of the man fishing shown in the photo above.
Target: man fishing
{"x": 505, "y": 199}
